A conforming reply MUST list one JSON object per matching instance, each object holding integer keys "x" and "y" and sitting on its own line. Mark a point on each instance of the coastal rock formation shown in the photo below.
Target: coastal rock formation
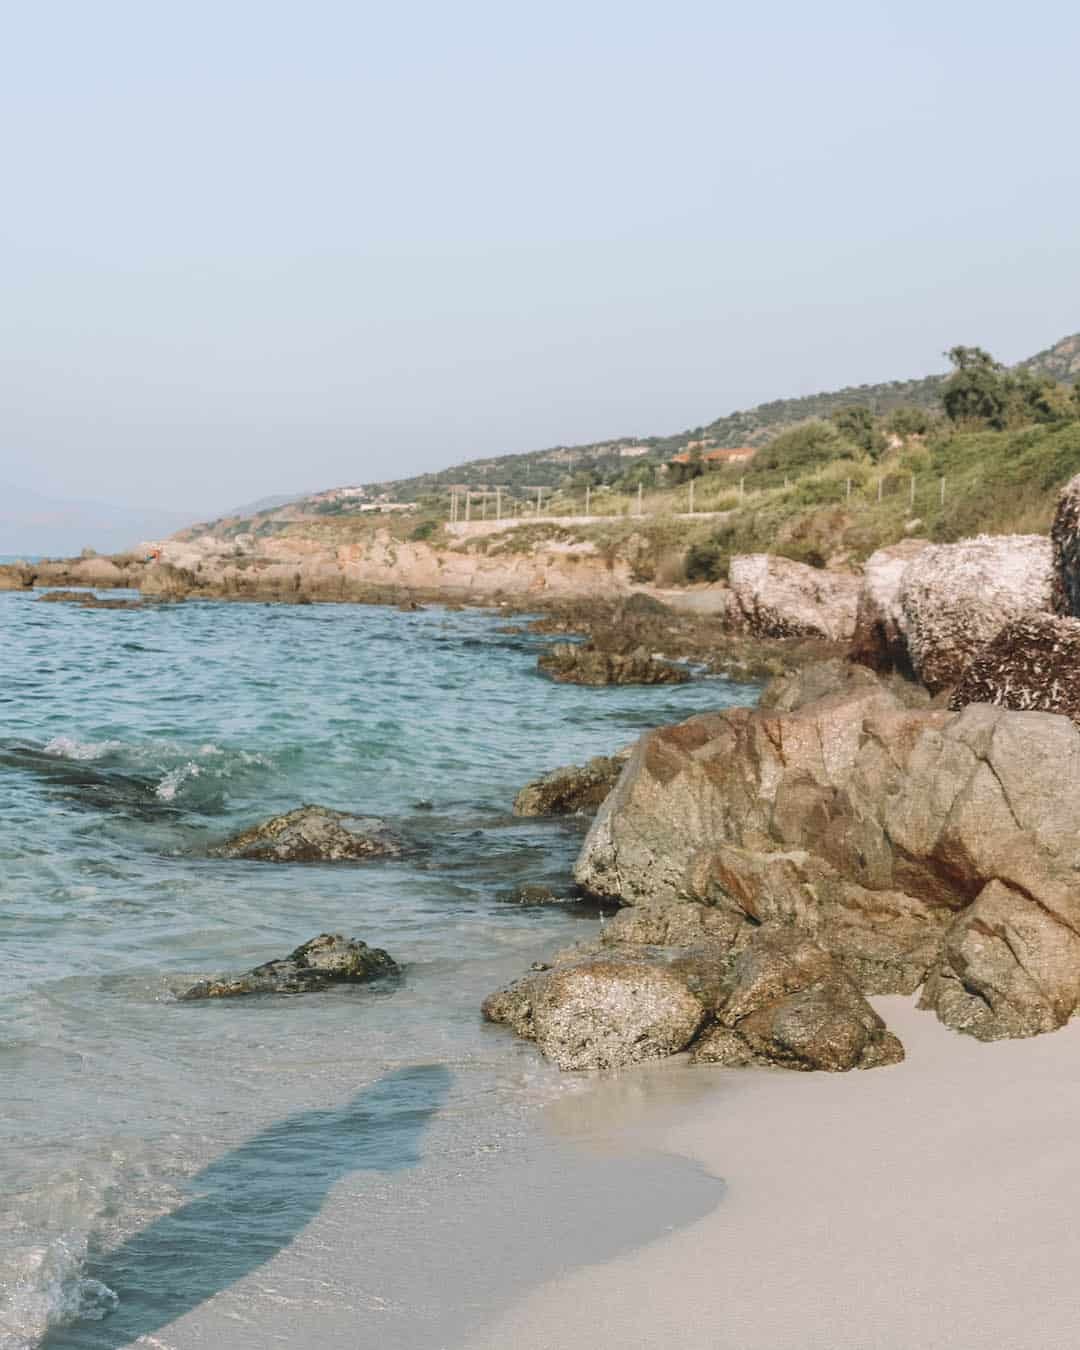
{"x": 1065, "y": 541}
{"x": 585, "y": 663}
{"x": 893, "y": 837}
{"x": 880, "y": 641}
{"x": 955, "y": 598}
{"x": 88, "y": 600}
{"x": 790, "y": 1005}
{"x": 324, "y": 960}
{"x": 1033, "y": 663}
{"x": 313, "y": 834}
{"x": 573, "y": 790}
{"x": 781, "y": 598}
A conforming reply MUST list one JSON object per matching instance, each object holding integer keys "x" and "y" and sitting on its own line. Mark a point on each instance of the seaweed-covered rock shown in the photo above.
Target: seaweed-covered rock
{"x": 575, "y": 789}
{"x": 880, "y": 641}
{"x": 585, "y": 663}
{"x": 313, "y": 834}
{"x": 1032, "y": 664}
{"x": 956, "y": 597}
{"x": 324, "y": 960}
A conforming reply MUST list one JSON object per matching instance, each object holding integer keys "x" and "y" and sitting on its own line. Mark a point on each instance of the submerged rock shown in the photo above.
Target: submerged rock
{"x": 1032, "y": 664}
{"x": 324, "y": 960}
{"x": 585, "y": 663}
{"x": 575, "y": 789}
{"x": 313, "y": 834}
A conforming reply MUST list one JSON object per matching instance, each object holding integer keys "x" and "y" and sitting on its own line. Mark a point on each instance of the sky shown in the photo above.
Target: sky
{"x": 257, "y": 247}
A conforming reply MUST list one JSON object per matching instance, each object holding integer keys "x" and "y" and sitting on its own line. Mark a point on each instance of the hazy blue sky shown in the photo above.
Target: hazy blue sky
{"x": 252, "y": 246}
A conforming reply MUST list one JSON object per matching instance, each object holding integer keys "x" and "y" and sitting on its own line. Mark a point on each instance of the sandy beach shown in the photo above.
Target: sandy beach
{"x": 930, "y": 1204}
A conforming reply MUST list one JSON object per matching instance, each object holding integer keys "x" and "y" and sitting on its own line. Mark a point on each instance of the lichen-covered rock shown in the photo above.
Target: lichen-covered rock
{"x": 1065, "y": 541}
{"x": 313, "y": 834}
{"x": 585, "y": 663}
{"x": 603, "y": 1011}
{"x": 834, "y": 675}
{"x": 781, "y": 598}
{"x": 880, "y": 641}
{"x": 955, "y": 597}
{"x": 573, "y": 790}
{"x": 325, "y": 960}
{"x": 1032, "y": 664}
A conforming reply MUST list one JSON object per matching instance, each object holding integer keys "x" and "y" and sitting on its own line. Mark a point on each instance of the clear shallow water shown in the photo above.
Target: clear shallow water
{"x": 135, "y": 1127}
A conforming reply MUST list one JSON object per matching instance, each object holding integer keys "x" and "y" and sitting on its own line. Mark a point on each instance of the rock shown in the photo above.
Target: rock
{"x": 1010, "y": 965}
{"x": 789, "y": 1005}
{"x": 956, "y": 597}
{"x": 88, "y": 600}
{"x": 1032, "y": 663}
{"x": 835, "y": 675}
{"x": 325, "y": 960}
{"x": 584, "y": 663}
{"x": 880, "y": 640}
{"x": 781, "y": 598}
{"x": 571, "y": 790}
{"x": 530, "y": 894}
{"x": 605, "y": 1011}
{"x": 313, "y": 834}
{"x": 1065, "y": 542}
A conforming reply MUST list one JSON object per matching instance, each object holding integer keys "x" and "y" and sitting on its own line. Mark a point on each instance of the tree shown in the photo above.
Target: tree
{"x": 907, "y": 421}
{"x": 977, "y": 390}
{"x": 857, "y": 424}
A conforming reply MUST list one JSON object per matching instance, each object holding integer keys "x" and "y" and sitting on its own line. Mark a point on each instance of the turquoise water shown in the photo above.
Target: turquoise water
{"x": 157, "y": 1154}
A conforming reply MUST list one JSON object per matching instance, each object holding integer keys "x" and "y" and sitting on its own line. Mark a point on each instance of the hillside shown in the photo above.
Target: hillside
{"x": 622, "y": 461}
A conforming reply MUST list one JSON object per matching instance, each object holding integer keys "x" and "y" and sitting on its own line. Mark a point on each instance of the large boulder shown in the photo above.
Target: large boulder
{"x": 607, "y": 1010}
{"x": 313, "y": 834}
{"x": 781, "y": 598}
{"x": 573, "y": 790}
{"x": 880, "y": 641}
{"x": 1032, "y": 663}
{"x": 1065, "y": 540}
{"x": 323, "y": 961}
{"x": 585, "y": 663}
{"x": 955, "y": 597}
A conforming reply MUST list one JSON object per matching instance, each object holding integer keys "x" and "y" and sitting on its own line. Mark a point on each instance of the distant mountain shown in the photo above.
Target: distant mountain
{"x": 1060, "y": 362}
{"x": 34, "y": 524}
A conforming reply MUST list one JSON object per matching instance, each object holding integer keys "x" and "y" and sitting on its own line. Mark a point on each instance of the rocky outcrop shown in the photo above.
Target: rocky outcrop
{"x": 313, "y": 834}
{"x": 1032, "y": 664}
{"x": 87, "y": 600}
{"x": 323, "y": 961}
{"x": 955, "y": 597}
{"x": 785, "y": 599}
{"x": 573, "y": 790}
{"x": 892, "y": 837}
{"x": 880, "y": 640}
{"x": 585, "y": 663}
{"x": 1065, "y": 541}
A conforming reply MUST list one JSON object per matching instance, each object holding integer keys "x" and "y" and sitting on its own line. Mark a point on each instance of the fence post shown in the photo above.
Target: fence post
{"x": 468, "y": 505}
{"x": 640, "y": 491}
{"x": 849, "y": 489}
{"x": 879, "y": 489}
{"x": 691, "y": 496}
{"x": 913, "y": 492}
{"x": 539, "y": 492}
{"x": 588, "y": 495}
{"x": 943, "y": 490}
{"x": 742, "y": 488}
{"x": 498, "y": 503}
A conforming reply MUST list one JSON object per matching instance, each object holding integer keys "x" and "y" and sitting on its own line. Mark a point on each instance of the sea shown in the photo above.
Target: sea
{"x": 366, "y": 1165}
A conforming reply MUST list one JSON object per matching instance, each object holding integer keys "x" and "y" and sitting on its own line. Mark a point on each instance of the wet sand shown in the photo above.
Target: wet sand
{"x": 930, "y": 1205}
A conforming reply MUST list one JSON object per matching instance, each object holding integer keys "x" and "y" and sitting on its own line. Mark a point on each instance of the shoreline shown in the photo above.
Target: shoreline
{"x": 923, "y": 1204}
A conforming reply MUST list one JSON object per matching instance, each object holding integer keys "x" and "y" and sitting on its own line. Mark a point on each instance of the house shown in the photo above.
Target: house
{"x": 718, "y": 459}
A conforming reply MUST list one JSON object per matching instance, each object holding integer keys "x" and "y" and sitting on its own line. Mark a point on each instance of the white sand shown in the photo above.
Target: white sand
{"x": 935, "y": 1204}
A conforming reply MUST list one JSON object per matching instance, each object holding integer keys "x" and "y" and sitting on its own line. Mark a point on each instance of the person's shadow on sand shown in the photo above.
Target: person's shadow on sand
{"x": 251, "y": 1204}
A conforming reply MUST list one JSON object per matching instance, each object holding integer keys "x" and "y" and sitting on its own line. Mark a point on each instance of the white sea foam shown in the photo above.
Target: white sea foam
{"x": 66, "y": 747}
{"x": 175, "y": 779}
{"x": 46, "y": 1288}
